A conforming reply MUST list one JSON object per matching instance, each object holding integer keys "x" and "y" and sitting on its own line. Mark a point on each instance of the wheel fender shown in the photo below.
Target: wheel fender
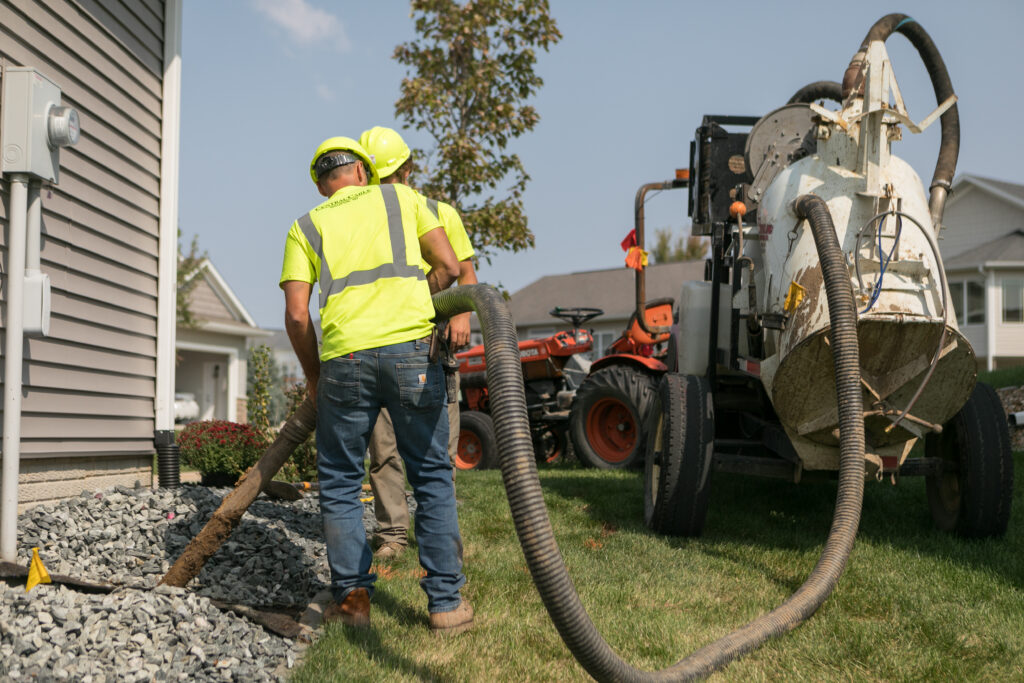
{"x": 652, "y": 364}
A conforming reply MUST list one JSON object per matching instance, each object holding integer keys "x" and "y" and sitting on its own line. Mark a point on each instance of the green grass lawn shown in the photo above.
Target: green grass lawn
{"x": 914, "y": 603}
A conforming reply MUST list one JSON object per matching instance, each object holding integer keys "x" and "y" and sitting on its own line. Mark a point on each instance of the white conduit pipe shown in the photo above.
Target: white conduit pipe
{"x": 33, "y": 229}
{"x": 14, "y": 326}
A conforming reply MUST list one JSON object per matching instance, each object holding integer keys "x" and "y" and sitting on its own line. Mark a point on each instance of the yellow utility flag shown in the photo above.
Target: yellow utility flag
{"x": 36, "y": 572}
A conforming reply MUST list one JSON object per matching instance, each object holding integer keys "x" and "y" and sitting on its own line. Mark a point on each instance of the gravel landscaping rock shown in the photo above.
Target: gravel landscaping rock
{"x": 130, "y": 537}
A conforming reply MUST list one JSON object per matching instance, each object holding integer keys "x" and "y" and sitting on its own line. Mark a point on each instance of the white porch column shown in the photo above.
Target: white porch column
{"x": 992, "y": 299}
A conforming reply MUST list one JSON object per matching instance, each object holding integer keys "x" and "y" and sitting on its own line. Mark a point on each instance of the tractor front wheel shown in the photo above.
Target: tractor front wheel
{"x": 607, "y": 415}
{"x": 478, "y": 448}
{"x": 972, "y": 495}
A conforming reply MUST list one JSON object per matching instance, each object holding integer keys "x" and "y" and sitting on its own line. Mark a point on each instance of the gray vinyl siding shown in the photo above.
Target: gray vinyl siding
{"x": 91, "y": 382}
{"x": 976, "y": 217}
{"x": 207, "y": 305}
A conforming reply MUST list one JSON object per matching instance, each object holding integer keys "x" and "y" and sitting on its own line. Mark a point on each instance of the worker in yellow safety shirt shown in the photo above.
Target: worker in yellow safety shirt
{"x": 393, "y": 161}
{"x": 363, "y": 247}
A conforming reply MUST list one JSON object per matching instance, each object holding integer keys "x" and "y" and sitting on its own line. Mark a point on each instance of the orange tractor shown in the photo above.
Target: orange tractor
{"x": 610, "y": 406}
{"x": 552, "y": 372}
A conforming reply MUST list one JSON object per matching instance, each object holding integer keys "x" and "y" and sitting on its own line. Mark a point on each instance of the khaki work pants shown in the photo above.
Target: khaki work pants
{"x": 387, "y": 475}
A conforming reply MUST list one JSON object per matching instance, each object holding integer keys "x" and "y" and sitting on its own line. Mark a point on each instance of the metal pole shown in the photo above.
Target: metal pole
{"x": 13, "y": 326}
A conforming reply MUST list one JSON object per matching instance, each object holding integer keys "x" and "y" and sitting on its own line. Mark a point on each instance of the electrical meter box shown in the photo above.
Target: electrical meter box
{"x": 34, "y": 124}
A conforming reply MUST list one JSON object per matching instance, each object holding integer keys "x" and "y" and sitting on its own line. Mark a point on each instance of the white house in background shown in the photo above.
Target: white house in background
{"x": 212, "y": 358}
{"x": 287, "y": 362}
{"x": 612, "y": 290}
{"x": 982, "y": 244}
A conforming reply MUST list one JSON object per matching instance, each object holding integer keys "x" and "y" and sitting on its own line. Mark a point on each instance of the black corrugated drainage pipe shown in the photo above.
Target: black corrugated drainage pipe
{"x": 519, "y": 473}
{"x": 168, "y": 459}
{"x": 949, "y": 144}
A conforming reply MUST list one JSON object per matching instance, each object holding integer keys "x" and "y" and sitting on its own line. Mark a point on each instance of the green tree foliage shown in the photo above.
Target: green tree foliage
{"x": 260, "y": 381}
{"x": 469, "y": 76}
{"x": 188, "y": 266}
{"x": 680, "y": 248}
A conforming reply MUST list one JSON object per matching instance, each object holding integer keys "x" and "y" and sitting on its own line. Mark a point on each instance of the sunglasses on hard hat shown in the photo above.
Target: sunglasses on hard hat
{"x": 332, "y": 160}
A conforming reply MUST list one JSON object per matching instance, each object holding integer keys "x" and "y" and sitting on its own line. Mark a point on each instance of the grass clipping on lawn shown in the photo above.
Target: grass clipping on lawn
{"x": 914, "y": 603}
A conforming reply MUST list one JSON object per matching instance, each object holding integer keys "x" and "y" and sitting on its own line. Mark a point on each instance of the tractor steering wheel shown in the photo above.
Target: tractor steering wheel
{"x": 575, "y": 316}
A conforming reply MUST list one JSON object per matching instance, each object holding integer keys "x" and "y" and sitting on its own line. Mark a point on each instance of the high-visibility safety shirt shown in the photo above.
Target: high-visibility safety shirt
{"x": 453, "y": 228}
{"x": 362, "y": 247}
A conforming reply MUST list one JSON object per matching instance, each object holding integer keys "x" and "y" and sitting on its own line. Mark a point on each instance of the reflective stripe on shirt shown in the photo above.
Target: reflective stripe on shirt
{"x": 397, "y": 268}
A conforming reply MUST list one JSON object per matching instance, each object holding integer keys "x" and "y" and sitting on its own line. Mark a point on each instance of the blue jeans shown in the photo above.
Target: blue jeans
{"x": 350, "y": 393}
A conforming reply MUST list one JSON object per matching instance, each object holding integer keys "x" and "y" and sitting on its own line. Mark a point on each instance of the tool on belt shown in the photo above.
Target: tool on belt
{"x": 441, "y": 350}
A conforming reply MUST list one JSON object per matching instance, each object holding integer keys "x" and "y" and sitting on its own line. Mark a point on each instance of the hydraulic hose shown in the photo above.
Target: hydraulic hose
{"x": 519, "y": 474}
{"x": 819, "y": 90}
{"x": 949, "y": 145}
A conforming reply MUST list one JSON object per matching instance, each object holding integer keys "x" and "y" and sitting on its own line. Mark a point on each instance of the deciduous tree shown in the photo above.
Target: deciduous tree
{"x": 188, "y": 266}
{"x": 470, "y": 75}
{"x": 668, "y": 250}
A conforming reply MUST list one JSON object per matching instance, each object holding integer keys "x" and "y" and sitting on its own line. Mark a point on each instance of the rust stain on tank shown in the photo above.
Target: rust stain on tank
{"x": 804, "y": 320}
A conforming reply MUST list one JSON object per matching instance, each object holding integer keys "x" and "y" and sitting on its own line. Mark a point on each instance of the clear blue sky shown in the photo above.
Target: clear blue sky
{"x": 264, "y": 81}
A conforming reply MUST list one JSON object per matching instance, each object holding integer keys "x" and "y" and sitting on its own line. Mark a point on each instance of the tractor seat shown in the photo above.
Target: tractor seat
{"x": 658, "y": 313}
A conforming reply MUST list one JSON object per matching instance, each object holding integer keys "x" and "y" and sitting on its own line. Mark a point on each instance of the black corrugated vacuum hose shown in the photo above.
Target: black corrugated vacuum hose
{"x": 519, "y": 473}
{"x": 949, "y": 146}
{"x": 819, "y": 90}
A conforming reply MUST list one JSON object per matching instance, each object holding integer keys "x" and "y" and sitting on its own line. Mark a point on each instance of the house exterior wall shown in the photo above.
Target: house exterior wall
{"x": 197, "y": 338}
{"x": 976, "y": 217}
{"x": 206, "y": 304}
{"x": 1009, "y": 336}
{"x": 88, "y": 413}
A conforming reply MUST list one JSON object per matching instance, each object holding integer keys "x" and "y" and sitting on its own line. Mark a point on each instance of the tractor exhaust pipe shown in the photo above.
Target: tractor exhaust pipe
{"x": 683, "y": 180}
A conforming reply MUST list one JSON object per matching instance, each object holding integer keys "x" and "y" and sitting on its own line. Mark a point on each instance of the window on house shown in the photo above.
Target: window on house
{"x": 975, "y": 303}
{"x": 968, "y": 302}
{"x": 1013, "y": 300}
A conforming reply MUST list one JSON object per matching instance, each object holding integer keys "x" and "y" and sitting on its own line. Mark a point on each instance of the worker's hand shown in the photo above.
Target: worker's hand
{"x": 458, "y": 331}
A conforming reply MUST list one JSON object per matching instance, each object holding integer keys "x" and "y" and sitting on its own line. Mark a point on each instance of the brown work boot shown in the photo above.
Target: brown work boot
{"x": 354, "y": 610}
{"x": 449, "y": 623}
{"x": 388, "y": 552}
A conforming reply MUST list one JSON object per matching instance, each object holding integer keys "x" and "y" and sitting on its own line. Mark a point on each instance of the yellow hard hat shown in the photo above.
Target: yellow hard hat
{"x": 386, "y": 147}
{"x": 345, "y": 145}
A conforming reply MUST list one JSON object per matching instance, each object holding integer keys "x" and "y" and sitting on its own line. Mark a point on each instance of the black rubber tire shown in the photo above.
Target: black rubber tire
{"x": 678, "y": 461}
{"x": 672, "y": 352}
{"x": 619, "y": 394}
{"x": 973, "y": 499}
{"x": 478, "y": 447}
{"x": 550, "y": 443}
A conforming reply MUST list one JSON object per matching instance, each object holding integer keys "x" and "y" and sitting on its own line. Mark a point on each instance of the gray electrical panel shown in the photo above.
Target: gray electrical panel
{"x": 34, "y": 124}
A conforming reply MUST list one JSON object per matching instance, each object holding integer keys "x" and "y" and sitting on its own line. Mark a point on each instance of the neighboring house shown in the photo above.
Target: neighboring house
{"x": 213, "y": 355}
{"x": 982, "y": 244}
{"x": 612, "y": 290}
{"x": 100, "y": 384}
{"x": 287, "y": 363}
